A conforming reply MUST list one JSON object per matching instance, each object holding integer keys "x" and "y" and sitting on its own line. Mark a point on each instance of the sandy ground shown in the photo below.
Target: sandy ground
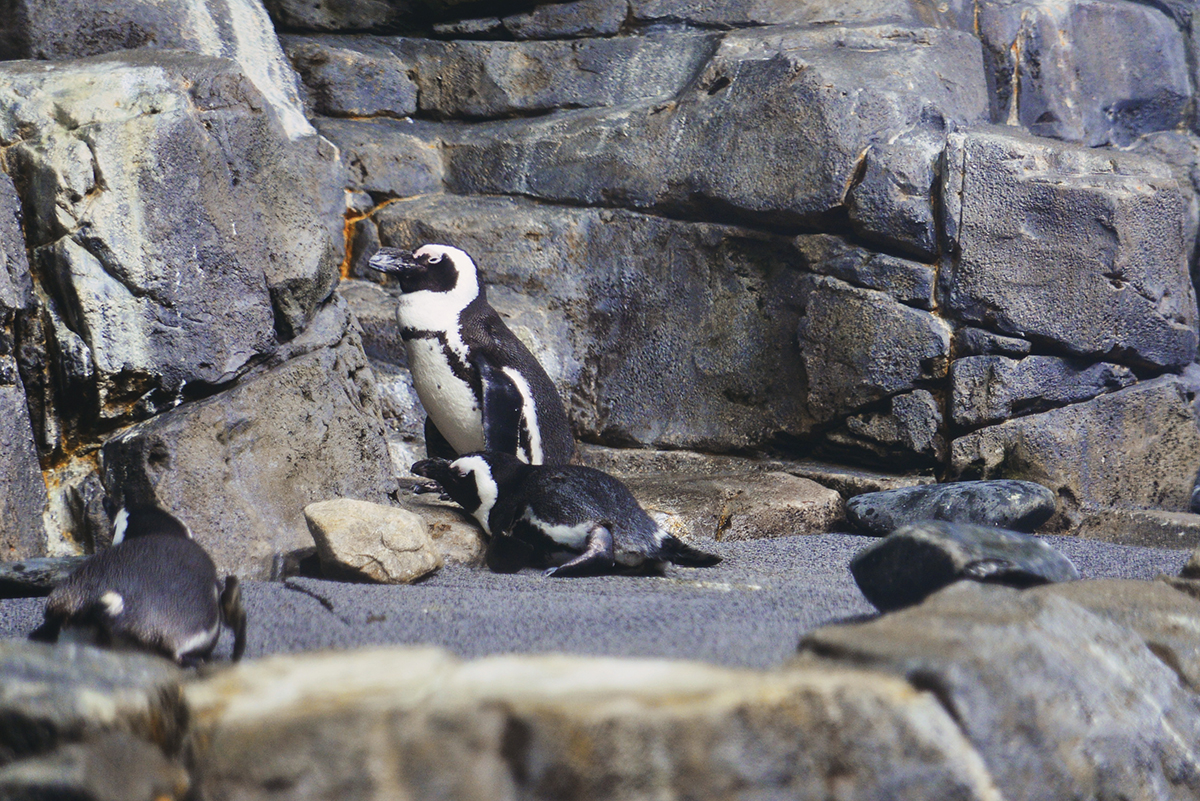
{"x": 749, "y": 611}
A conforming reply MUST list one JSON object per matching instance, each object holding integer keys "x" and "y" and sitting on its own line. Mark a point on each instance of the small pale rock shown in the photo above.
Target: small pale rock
{"x": 1020, "y": 505}
{"x": 917, "y": 560}
{"x": 455, "y": 534}
{"x": 736, "y": 507}
{"x": 371, "y": 542}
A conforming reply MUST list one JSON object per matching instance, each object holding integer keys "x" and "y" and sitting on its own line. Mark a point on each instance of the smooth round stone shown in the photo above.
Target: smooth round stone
{"x": 917, "y": 560}
{"x": 1004, "y": 503}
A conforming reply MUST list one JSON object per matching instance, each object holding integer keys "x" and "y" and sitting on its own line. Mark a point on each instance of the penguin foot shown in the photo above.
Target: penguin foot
{"x": 597, "y": 557}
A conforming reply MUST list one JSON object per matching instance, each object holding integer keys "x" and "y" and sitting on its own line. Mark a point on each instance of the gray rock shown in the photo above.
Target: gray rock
{"x": 734, "y": 507}
{"x": 374, "y": 309}
{"x": 386, "y": 157}
{"x": 848, "y": 481}
{"x": 917, "y": 560}
{"x": 859, "y": 346}
{"x": 969, "y": 341}
{"x": 912, "y": 427}
{"x": 23, "y": 492}
{"x": 475, "y": 80}
{"x": 892, "y": 201}
{"x": 1131, "y": 58}
{"x": 1137, "y": 448}
{"x": 53, "y": 695}
{"x": 113, "y": 767}
{"x": 1148, "y": 528}
{"x": 772, "y": 12}
{"x": 234, "y": 29}
{"x": 1164, "y": 618}
{"x": 989, "y": 389}
{"x": 168, "y": 220}
{"x": 650, "y": 339}
{"x": 909, "y": 282}
{"x": 1041, "y": 687}
{"x": 1080, "y": 249}
{"x": 791, "y": 166}
{"x": 367, "y": 541}
{"x": 567, "y": 20}
{"x": 240, "y": 467}
{"x": 478, "y": 28}
{"x": 551, "y": 725}
{"x": 35, "y": 577}
{"x": 356, "y": 80}
{"x": 336, "y": 15}
{"x": 1020, "y": 505}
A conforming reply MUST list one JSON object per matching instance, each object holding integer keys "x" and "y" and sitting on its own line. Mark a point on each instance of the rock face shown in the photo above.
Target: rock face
{"x": 916, "y": 560}
{"x": 1135, "y": 448}
{"x": 240, "y": 478}
{"x": 867, "y": 233}
{"x": 368, "y": 541}
{"x": 1082, "y": 249}
{"x": 1019, "y": 505}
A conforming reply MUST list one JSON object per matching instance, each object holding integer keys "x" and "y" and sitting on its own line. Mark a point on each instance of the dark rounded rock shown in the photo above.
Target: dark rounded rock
{"x": 1019, "y": 505}
{"x": 917, "y": 560}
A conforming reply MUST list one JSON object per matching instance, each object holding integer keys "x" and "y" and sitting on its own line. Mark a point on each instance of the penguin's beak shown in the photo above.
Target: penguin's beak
{"x": 393, "y": 261}
{"x": 436, "y": 469}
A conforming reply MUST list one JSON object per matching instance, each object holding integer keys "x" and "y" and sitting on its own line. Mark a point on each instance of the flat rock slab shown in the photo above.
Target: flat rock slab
{"x": 748, "y": 611}
{"x": 1017, "y": 505}
{"x": 33, "y": 577}
{"x": 919, "y": 559}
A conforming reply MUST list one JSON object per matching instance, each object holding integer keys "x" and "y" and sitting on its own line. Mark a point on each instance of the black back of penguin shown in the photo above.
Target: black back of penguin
{"x": 155, "y": 589}
{"x": 552, "y": 509}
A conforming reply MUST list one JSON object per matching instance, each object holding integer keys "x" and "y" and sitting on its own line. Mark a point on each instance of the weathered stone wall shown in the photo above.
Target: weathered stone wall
{"x": 956, "y": 239}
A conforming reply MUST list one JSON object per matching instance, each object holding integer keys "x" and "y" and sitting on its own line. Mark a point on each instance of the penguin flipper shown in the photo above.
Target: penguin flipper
{"x": 597, "y": 556}
{"x": 502, "y": 403}
{"x": 234, "y": 613}
{"x": 436, "y": 445}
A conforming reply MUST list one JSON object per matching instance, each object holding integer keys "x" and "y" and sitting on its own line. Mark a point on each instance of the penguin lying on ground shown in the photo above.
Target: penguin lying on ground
{"x": 155, "y": 590}
{"x": 575, "y": 520}
{"x": 479, "y": 384}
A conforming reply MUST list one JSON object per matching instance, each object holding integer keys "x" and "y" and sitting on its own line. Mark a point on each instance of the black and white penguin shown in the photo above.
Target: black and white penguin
{"x": 154, "y": 590}
{"x": 576, "y": 520}
{"x": 479, "y": 384}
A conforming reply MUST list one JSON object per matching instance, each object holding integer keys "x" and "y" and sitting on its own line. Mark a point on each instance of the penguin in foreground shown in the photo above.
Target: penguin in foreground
{"x": 575, "y": 520}
{"x": 479, "y": 384}
{"x": 154, "y": 590}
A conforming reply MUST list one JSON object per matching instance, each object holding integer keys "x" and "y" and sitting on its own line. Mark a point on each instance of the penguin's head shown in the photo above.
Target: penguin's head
{"x": 144, "y": 520}
{"x": 430, "y": 268}
{"x": 474, "y": 480}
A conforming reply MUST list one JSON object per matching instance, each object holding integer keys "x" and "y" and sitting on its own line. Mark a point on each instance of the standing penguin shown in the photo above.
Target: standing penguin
{"x": 479, "y": 384}
{"x": 155, "y": 589}
{"x": 577, "y": 520}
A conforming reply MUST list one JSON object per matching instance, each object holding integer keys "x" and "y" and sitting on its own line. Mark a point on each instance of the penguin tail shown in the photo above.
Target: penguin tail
{"x": 680, "y": 553}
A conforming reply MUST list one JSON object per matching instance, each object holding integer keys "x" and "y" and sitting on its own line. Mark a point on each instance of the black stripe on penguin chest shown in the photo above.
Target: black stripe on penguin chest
{"x": 461, "y": 370}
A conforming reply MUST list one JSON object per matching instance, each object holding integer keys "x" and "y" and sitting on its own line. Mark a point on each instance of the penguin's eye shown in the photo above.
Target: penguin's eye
{"x": 434, "y": 259}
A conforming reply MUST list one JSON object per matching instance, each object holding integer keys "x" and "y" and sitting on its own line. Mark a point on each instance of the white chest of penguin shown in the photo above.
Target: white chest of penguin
{"x": 448, "y": 400}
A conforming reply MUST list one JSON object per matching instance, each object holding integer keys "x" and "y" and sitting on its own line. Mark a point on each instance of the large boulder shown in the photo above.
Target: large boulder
{"x": 178, "y": 228}
{"x": 1137, "y": 448}
{"x": 235, "y": 29}
{"x": 859, "y": 346}
{"x": 989, "y": 389}
{"x": 1082, "y": 249}
{"x": 416, "y": 722}
{"x": 240, "y": 467}
{"x": 1060, "y": 702}
{"x": 790, "y": 110}
{"x": 1087, "y": 71}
